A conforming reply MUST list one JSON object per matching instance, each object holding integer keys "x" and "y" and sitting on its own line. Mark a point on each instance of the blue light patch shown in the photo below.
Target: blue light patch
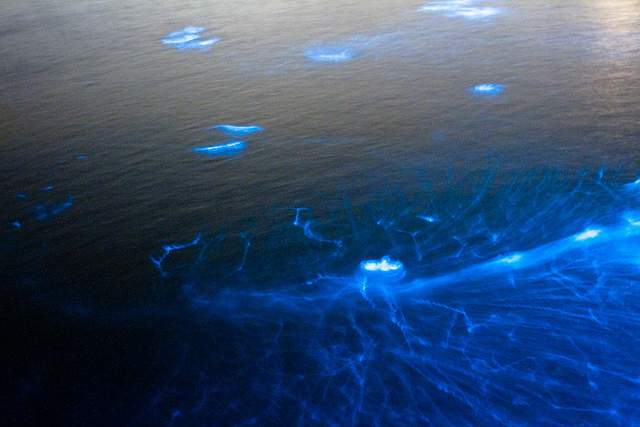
{"x": 511, "y": 259}
{"x": 588, "y": 235}
{"x": 235, "y": 130}
{"x": 488, "y": 89}
{"x": 460, "y": 9}
{"x": 222, "y": 149}
{"x": 197, "y": 44}
{"x": 189, "y": 38}
{"x": 329, "y": 55}
{"x": 428, "y": 218}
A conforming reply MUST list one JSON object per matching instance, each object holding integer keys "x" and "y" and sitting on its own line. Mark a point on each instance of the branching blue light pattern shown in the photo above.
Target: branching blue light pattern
{"x": 168, "y": 249}
{"x": 520, "y": 305}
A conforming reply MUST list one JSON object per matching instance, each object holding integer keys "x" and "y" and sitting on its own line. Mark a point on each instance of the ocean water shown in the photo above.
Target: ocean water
{"x": 198, "y": 198}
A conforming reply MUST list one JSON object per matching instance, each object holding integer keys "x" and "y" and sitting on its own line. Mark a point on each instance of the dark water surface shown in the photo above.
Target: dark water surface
{"x": 266, "y": 318}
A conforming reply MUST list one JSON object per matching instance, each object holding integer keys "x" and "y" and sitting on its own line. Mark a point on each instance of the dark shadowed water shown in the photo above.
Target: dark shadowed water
{"x": 98, "y": 122}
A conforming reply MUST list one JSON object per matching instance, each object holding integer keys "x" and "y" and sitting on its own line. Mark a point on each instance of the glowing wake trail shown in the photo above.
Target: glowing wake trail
{"x": 546, "y": 253}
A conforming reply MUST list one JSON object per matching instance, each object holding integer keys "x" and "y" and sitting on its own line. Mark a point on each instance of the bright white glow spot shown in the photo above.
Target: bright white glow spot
{"x": 588, "y": 234}
{"x": 386, "y": 264}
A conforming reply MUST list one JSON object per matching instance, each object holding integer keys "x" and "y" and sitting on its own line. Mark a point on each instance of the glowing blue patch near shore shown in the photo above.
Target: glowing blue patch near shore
{"x": 16, "y": 224}
{"x": 330, "y": 55}
{"x": 21, "y": 196}
{"x": 488, "y": 89}
{"x": 222, "y": 149}
{"x": 235, "y": 130}
{"x": 588, "y": 234}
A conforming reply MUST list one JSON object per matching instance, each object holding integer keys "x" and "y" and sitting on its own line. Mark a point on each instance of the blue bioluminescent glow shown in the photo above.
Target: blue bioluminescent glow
{"x": 428, "y": 218}
{"x": 222, "y": 149}
{"x": 183, "y": 38}
{"x": 385, "y": 265}
{"x": 384, "y": 269}
{"x": 521, "y": 303}
{"x": 197, "y": 44}
{"x": 44, "y": 211}
{"x": 588, "y": 234}
{"x": 21, "y": 196}
{"x": 235, "y": 130}
{"x": 168, "y": 249}
{"x": 488, "y": 89}
{"x": 511, "y": 259}
{"x": 330, "y": 54}
{"x": 16, "y": 224}
{"x": 47, "y": 189}
{"x": 82, "y": 157}
{"x": 461, "y": 9}
{"x": 189, "y": 38}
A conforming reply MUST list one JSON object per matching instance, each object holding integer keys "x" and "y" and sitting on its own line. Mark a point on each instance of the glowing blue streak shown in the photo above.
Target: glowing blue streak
{"x": 588, "y": 234}
{"x": 197, "y": 44}
{"x": 533, "y": 257}
{"x": 222, "y": 149}
{"x": 167, "y": 249}
{"x": 428, "y": 218}
{"x": 310, "y": 234}
{"x": 460, "y": 9}
{"x": 329, "y": 55}
{"x": 235, "y": 130}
